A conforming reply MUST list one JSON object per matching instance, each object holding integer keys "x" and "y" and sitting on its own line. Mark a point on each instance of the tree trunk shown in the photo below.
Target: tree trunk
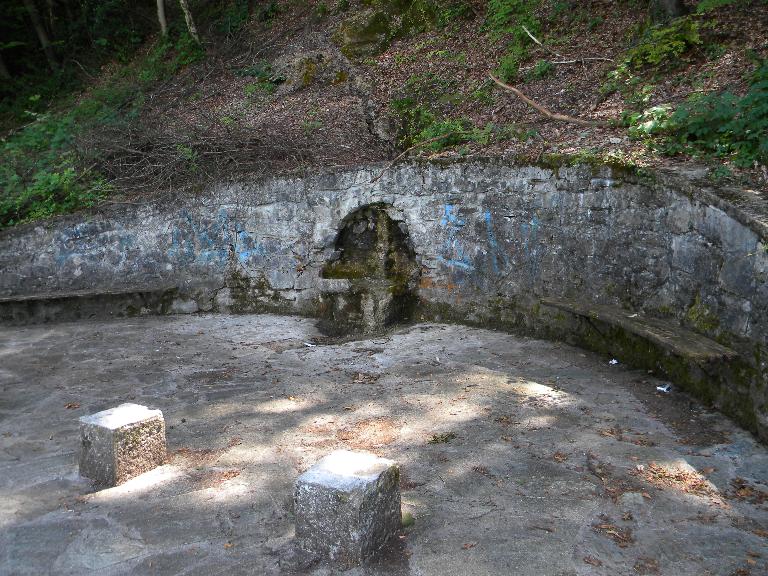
{"x": 4, "y": 73}
{"x": 190, "y": 21}
{"x": 42, "y": 35}
{"x": 161, "y": 18}
{"x": 665, "y": 10}
{"x": 52, "y": 25}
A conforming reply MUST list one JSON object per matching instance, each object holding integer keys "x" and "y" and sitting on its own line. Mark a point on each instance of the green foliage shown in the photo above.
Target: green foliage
{"x": 541, "y": 69}
{"x": 705, "y": 6}
{"x": 720, "y": 125}
{"x": 451, "y": 12}
{"x": 322, "y": 10}
{"x": 509, "y": 65}
{"x": 41, "y": 174}
{"x": 267, "y": 79}
{"x": 509, "y": 17}
{"x": 665, "y": 45}
{"x": 645, "y": 124}
{"x": 268, "y": 12}
{"x": 38, "y": 176}
{"x": 233, "y": 17}
{"x": 449, "y": 132}
{"x": 724, "y": 124}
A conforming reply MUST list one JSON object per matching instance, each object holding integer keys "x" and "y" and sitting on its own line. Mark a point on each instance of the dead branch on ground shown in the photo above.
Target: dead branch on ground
{"x": 546, "y": 112}
{"x": 563, "y": 61}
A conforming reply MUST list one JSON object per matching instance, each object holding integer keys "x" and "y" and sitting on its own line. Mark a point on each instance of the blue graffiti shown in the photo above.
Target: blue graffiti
{"x": 201, "y": 244}
{"x": 453, "y": 251}
{"x": 496, "y": 254}
{"x": 247, "y": 247}
{"x": 530, "y": 232}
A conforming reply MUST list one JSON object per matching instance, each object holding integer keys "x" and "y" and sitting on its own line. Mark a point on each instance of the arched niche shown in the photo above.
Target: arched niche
{"x": 374, "y": 255}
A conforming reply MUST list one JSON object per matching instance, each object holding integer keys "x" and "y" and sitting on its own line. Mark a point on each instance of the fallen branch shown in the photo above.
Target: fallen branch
{"x": 575, "y": 61}
{"x": 545, "y": 111}
{"x": 419, "y": 145}
{"x": 532, "y": 37}
{"x": 581, "y": 60}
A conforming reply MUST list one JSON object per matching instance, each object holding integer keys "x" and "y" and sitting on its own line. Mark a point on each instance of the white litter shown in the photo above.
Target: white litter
{"x": 613, "y": 361}
{"x": 666, "y": 388}
{"x": 310, "y": 345}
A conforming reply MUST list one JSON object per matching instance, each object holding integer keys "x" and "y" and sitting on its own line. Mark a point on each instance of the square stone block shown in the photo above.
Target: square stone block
{"x": 120, "y": 443}
{"x": 347, "y": 507}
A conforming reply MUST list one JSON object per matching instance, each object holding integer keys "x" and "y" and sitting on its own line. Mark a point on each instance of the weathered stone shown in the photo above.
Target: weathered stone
{"x": 120, "y": 443}
{"x": 347, "y": 507}
{"x": 374, "y": 254}
{"x": 489, "y": 239}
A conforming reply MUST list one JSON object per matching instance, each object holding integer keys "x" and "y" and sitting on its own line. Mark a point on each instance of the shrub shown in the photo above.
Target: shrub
{"x": 714, "y": 125}
{"x": 509, "y": 17}
{"x": 541, "y": 69}
{"x": 724, "y": 124}
{"x": 665, "y": 45}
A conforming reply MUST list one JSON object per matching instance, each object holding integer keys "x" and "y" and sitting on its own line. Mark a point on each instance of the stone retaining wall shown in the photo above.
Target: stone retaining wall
{"x": 491, "y": 239}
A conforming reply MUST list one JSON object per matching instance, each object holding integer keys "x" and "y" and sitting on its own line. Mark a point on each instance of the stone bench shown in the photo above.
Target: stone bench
{"x": 694, "y": 362}
{"x": 81, "y": 305}
{"x": 347, "y": 507}
{"x": 120, "y": 443}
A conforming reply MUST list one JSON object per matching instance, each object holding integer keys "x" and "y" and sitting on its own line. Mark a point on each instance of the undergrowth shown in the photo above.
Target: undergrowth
{"x": 507, "y": 17}
{"x": 42, "y": 171}
{"x": 719, "y": 125}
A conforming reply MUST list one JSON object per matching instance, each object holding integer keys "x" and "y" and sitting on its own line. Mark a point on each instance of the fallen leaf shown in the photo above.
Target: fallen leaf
{"x": 72, "y": 405}
{"x": 592, "y": 561}
{"x": 228, "y": 545}
{"x": 469, "y": 545}
{"x": 560, "y": 457}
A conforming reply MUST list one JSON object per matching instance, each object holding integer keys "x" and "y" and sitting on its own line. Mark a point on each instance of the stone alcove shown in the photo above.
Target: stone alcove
{"x": 373, "y": 254}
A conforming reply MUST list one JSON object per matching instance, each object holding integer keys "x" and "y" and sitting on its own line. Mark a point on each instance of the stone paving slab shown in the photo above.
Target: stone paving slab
{"x": 517, "y": 456}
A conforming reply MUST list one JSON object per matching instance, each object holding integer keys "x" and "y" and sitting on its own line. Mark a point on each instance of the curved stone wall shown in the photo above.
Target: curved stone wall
{"x": 491, "y": 239}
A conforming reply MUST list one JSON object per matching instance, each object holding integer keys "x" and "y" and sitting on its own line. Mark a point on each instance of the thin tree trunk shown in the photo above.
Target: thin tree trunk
{"x": 190, "y": 21}
{"x": 4, "y": 73}
{"x": 663, "y": 10}
{"x": 52, "y": 25}
{"x": 42, "y": 35}
{"x": 161, "y": 18}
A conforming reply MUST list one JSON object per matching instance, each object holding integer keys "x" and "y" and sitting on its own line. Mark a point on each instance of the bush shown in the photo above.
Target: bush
{"x": 724, "y": 124}
{"x": 719, "y": 125}
{"x": 665, "y": 45}
{"x": 509, "y": 17}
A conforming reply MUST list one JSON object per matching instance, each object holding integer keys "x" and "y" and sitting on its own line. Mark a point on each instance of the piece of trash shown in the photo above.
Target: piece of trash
{"x": 613, "y": 361}
{"x": 632, "y": 316}
{"x": 666, "y": 388}
{"x": 310, "y": 345}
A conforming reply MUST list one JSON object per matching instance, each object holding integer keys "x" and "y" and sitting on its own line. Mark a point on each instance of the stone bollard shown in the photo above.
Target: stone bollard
{"x": 120, "y": 443}
{"x": 347, "y": 507}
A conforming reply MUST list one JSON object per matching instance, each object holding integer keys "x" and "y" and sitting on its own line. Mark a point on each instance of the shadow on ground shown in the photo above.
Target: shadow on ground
{"x": 518, "y": 456}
